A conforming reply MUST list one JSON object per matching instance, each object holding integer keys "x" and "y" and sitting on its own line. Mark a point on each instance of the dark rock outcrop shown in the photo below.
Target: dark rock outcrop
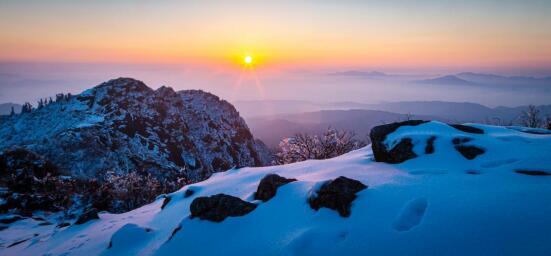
{"x": 468, "y": 129}
{"x": 337, "y": 194}
{"x": 469, "y": 152}
{"x": 91, "y": 214}
{"x": 461, "y": 140}
{"x": 268, "y": 186}
{"x": 429, "y": 148}
{"x": 21, "y": 162}
{"x": 534, "y": 172}
{"x": 401, "y": 152}
{"x": 166, "y": 200}
{"x": 218, "y": 207}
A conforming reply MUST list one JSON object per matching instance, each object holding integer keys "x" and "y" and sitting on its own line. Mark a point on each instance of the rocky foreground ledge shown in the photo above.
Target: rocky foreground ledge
{"x": 423, "y": 188}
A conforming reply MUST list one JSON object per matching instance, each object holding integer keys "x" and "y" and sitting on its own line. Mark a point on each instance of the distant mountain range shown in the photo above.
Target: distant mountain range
{"x": 470, "y": 78}
{"x": 458, "y": 111}
{"x": 447, "y": 80}
{"x": 271, "y": 121}
{"x": 359, "y": 73}
{"x": 497, "y": 79}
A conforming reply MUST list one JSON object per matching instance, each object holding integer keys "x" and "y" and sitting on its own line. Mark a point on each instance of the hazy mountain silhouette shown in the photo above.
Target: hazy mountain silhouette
{"x": 446, "y": 80}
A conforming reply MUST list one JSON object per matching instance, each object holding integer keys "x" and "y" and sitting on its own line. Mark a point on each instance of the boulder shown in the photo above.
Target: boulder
{"x": 268, "y": 186}
{"x": 337, "y": 194}
{"x": 91, "y": 214}
{"x": 469, "y": 152}
{"x": 218, "y": 207}
{"x": 401, "y": 152}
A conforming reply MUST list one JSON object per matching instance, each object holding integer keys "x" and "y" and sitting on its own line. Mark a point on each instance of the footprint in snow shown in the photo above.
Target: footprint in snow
{"x": 411, "y": 215}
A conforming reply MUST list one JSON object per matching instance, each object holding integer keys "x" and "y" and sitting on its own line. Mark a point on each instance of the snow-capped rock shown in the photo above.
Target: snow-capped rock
{"x": 121, "y": 127}
{"x": 434, "y": 204}
{"x": 124, "y": 126}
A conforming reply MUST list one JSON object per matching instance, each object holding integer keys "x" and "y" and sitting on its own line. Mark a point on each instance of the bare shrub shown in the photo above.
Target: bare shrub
{"x": 304, "y": 146}
{"x": 531, "y": 117}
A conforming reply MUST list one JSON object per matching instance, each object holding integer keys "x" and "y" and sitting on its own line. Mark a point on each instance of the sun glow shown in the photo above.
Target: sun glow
{"x": 248, "y": 60}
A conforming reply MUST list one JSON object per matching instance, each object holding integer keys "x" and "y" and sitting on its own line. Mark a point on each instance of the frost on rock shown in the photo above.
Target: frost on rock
{"x": 122, "y": 126}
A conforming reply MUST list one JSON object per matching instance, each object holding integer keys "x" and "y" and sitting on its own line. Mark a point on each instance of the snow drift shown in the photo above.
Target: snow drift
{"x": 436, "y": 203}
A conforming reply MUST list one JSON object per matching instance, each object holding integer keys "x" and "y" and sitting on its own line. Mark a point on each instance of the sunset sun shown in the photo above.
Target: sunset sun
{"x": 248, "y": 60}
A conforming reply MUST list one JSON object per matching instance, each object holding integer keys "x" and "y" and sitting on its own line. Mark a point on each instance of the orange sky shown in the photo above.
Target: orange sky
{"x": 282, "y": 33}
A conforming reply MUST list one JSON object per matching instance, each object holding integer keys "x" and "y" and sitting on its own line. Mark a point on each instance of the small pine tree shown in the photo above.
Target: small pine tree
{"x": 50, "y": 101}
{"x": 59, "y": 97}
{"x": 12, "y": 113}
{"x": 40, "y": 104}
{"x": 26, "y": 108}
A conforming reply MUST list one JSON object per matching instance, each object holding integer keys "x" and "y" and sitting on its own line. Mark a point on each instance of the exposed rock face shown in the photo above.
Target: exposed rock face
{"x": 534, "y": 172}
{"x": 218, "y": 207}
{"x": 166, "y": 201}
{"x": 468, "y": 151}
{"x": 399, "y": 153}
{"x": 429, "y": 148}
{"x": 21, "y": 162}
{"x": 91, "y": 214}
{"x": 268, "y": 186}
{"x": 117, "y": 128}
{"x": 22, "y": 174}
{"x": 124, "y": 126}
{"x": 338, "y": 195}
{"x": 468, "y": 129}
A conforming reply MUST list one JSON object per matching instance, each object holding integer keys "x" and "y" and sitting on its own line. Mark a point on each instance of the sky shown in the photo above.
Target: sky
{"x": 428, "y": 37}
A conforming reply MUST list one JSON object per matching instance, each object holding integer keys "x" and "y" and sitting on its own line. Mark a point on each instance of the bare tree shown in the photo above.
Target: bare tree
{"x": 304, "y": 146}
{"x": 531, "y": 117}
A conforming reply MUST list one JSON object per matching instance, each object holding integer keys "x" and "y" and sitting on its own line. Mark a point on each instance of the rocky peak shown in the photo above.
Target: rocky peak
{"x": 122, "y": 126}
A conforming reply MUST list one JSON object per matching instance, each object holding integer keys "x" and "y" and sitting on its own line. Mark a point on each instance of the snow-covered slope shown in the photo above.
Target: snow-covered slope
{"x": 438, "y": 203}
